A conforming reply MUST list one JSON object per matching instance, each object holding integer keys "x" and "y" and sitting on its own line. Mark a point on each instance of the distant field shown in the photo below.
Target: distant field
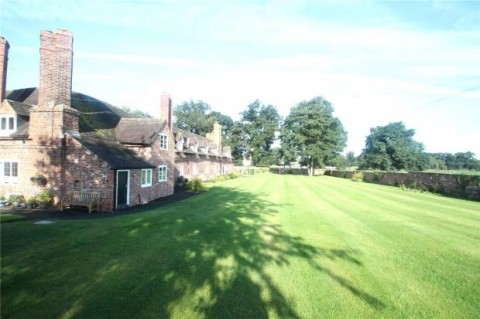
{"x": 267, "y": 246}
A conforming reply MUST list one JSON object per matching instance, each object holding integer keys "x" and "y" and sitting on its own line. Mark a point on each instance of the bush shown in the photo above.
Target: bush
{"x": 181, "y": 182}
{"x": 16, "y": 199}
{"x": 195, "y": 185}
{"x": 44, "y": 197}
{"x": 357, "y": 176}
{"x": 232, "y": 175}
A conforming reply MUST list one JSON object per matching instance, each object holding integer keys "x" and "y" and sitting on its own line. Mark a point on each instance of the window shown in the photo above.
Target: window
{"x": 163, "y": 141}
{"x": 9, "y": 173}
{"x": 162, "y": 173}
{"x": 179, "y": 145}
{"x": 146, "y": 177}
{"x": 8, "y": 124}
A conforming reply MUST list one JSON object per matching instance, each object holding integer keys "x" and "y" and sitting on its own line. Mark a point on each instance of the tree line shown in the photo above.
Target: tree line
{"x": 312, "y": 136}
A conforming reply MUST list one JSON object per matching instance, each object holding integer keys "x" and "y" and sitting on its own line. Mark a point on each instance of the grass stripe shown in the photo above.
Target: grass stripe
{"x": 268, "y": 246}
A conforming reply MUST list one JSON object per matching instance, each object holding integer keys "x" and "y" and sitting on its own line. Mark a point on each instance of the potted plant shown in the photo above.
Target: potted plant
{"x": 44, "y": 199}
{"x": 2, "y": 201}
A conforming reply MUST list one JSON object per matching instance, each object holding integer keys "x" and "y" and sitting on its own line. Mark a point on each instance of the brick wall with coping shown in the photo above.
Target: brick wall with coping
{"x": 458, "y": 185}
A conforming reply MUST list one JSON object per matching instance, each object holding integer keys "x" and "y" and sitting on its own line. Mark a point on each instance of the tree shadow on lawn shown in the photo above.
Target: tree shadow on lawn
{"x": 205, "y": 259}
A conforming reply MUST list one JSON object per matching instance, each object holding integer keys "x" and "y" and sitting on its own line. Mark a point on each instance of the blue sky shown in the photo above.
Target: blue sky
{"x": 377, "y": 62}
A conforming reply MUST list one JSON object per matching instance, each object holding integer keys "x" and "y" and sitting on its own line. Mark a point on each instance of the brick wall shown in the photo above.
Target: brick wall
{"x": 213, "y": 163}
{"x": 463, "y": 186}
{"x": 40, "y": 167}
{"x": 157, "y": 157}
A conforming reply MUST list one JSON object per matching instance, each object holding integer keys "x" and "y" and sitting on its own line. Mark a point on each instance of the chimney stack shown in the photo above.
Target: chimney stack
{"x": 166, "y": 109}
{"x": 56, "y": 63}
{"x": 216, "y": 135}
{"x": 4, "y": 47}
{"x": 53, "y": 116}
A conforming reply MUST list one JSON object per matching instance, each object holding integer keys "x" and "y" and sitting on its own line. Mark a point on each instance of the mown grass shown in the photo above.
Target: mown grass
{"x": 266, "y": 246}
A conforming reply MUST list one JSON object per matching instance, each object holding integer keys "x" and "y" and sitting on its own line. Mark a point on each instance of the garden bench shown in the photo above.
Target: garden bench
{"x": 89, "y": 199}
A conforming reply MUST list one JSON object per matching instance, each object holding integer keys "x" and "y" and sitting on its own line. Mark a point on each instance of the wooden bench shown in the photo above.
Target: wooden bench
{"x": 90, "y": 199}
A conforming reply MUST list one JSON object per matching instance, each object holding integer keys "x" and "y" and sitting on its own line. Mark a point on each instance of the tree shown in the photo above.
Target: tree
{"x": 392, "y": 147}
{"x": 350, "y": 159}
{"x": 238, "y": 142}
{"x": 258, "y": 126}
{"x": 193, "y": 117}
{"x": 196, "y": 117}
{"x": 312, "y": 133}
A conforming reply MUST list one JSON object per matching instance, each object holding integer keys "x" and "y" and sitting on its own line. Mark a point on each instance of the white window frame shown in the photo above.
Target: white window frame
{"x": 12, "y": 176}
{"x": 162, "y": 173}
{"x": 163, "y": 141}
{"x": 7, "y": 131}
{"x": 180, "y": 145}
{"x": 148, "y": 177}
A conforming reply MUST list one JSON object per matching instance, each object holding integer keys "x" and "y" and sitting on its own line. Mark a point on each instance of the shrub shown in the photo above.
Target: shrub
{"x": 16, "y": 199}
{"x": 181, "y": 182}
{"x": 195, "y": 185}
{"x": 44, "y": 197}
{"x": 232, "y": 175}
{"x": 357, "y": 176}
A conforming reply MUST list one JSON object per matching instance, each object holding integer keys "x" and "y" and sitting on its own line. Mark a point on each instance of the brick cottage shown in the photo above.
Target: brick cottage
{"x": 60, "y": 140}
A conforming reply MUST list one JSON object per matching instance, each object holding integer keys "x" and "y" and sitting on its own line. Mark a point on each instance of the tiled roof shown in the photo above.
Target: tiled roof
{"x": 19, "y": 107}
{"x": 22, "y": 131}
{"x": 114, "y": 154}
{"x": 142, "y": 131}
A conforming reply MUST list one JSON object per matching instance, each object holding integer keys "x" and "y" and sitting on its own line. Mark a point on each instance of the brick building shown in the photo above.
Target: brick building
{"x": 49, "y": 141}
{"x": 57, "y": 139}
{"x": 202, "y": 157}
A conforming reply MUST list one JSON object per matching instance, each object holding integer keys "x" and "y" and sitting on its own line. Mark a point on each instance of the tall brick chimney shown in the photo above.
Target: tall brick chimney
{"x": 166, "y": 109}
{"x": 4, "y": 46}
{"x": 53, "y": 116}
{"x": 216, "y": 135}
{"x": 56, "y": 62}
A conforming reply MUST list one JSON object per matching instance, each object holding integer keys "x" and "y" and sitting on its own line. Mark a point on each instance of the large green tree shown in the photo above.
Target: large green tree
{"x": 392, "y": 147}
{"x": 257, "y": 129}
{"x": 313, "y": 134}
{"x": 197, "y": 117}
{"x": 193, "y": 117}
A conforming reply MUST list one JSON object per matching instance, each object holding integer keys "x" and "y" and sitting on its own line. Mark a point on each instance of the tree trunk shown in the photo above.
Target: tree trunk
{"x": 310, "y": 171}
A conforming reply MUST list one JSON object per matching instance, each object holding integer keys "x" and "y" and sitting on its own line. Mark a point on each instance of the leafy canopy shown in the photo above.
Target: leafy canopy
{"x": 392, "y": 147}
{"x": 312, "y": 133}
{"x": 197, "y": 117}
{"x": 257, "y": 132}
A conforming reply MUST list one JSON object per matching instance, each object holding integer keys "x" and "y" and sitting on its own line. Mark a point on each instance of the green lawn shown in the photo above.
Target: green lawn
{"x": 266, "y": 246}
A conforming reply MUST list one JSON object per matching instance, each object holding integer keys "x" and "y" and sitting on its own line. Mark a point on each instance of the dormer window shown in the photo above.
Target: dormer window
{"x": 163, "y": 141}
{"x": 180, "y": 145}
{"x": 8, "y": 124}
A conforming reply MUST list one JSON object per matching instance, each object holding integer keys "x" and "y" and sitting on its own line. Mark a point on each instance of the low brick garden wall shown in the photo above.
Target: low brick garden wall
{"x": 457, "y": 185}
